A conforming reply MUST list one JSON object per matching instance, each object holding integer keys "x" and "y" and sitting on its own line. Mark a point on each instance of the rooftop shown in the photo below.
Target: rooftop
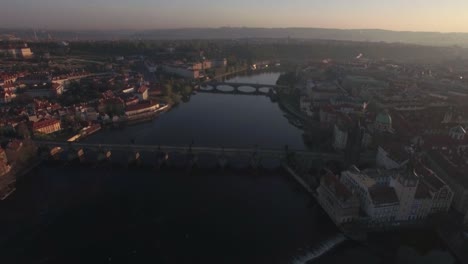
{"x": 332, "y": 182}
{"x": 383, "y": 195}
{"x": 45, "y": 123}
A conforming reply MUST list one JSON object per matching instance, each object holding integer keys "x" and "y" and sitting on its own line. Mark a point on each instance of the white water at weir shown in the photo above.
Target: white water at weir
{"x": 321, "y": 249}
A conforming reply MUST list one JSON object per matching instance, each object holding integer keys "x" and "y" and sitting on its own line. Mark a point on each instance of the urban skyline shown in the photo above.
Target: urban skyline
{"x": 447, "y": 16}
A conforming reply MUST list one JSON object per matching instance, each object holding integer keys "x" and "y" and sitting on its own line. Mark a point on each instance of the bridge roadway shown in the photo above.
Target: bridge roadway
{"x": 237, "y": 85}
{"x": 195, "y": 150}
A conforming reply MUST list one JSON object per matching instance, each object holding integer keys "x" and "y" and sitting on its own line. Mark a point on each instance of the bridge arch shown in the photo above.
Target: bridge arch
{"x": 247, "y": 89}
{"x": 225, "y": 88}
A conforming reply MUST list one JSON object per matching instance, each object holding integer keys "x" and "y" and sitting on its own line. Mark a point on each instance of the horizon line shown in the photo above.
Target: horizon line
{"x": 228, "y": 27}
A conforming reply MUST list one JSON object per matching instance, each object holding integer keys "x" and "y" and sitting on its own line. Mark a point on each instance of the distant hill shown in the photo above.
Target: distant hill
{"x": 372, "y": 35}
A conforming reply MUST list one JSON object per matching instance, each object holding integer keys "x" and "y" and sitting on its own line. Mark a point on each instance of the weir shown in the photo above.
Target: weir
{"x": 320, "y": 250}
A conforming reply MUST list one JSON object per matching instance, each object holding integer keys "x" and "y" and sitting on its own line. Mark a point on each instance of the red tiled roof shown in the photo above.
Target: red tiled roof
{"x": 332, "y": 182}
{"x": 383, "y": 195}
{"x": 44, "y": 123}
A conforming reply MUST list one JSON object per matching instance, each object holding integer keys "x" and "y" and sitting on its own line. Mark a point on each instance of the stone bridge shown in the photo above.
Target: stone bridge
{"x": 161, "y": 154}
{"x": 258, "y": 89}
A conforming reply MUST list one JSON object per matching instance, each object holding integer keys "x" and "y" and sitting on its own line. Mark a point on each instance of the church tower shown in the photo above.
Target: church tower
{"x": 406, "y": 184}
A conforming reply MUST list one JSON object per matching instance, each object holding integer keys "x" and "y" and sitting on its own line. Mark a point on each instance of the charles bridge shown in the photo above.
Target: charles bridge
{"x": 303, "y": 160}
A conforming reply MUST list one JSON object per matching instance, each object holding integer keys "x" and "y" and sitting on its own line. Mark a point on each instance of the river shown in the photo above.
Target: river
{"x": 216, "y": 120}
{"x": 77, "y": 214}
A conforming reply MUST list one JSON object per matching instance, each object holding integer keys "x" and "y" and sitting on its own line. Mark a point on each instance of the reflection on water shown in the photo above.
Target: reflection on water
{"x": 215, "y": 120}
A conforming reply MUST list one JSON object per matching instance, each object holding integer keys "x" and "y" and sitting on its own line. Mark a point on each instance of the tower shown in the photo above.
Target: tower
{"x": 354, "y": 143}
{"x": 405, "y": 185}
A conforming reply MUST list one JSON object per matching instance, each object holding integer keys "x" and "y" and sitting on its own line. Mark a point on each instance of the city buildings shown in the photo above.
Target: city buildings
{"x": 140, "y": 110}
{"x": 47, "y": 126}
{"x": 452, "y": 167}
{"x": 182, "y": 71}
{"x": 338, "y": 201}
{"x": 392, "y": 155}
{"x": 383, "y": 123}
{"x": 17, "y": 51}
{"x": 398, "y": 195}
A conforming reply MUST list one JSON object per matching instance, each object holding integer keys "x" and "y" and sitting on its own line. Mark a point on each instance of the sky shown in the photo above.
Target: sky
{"x": 412, "y": 15}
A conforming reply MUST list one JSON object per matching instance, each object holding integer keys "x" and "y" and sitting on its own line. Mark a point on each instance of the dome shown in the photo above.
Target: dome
{"x": 384, "y": 118}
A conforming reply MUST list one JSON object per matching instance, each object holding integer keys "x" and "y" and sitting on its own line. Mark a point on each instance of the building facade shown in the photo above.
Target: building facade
{"x": 391, "y": 156}
{"x": 185, "y": 72}
{"x": 337, "y": 200}
{"x": 47, "y": 126}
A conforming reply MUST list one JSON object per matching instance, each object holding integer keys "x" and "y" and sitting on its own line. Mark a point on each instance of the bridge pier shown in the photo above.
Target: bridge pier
{"x": 162, "y": 158}
{"x": 255, "y": 159}
{"x": 72, "y": 154}
{"x": 104, "y": 155}
{"x": 81, "y": 155}
{"x": 191, "y": 159}
{"x": 222, "y": 160}
{"x": 55, "y": 153}
{"x": 301, "y": 159}
{"x": 134, "y": 158}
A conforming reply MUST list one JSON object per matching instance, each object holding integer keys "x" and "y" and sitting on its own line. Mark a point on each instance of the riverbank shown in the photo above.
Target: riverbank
{"x": 8, "y": 181}
{"x": 290, "y": 104}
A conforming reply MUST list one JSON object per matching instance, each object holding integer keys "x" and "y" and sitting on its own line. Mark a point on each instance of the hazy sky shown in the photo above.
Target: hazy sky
{"x": 417, "y": 15}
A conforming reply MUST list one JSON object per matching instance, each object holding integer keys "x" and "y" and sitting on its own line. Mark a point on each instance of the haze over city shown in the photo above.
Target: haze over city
{"x": 418, "y": 15}
{"x": 280, "y": 132}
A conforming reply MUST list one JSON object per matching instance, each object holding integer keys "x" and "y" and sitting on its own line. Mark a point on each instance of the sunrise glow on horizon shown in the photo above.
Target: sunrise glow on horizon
{"x": 416, "y": 15}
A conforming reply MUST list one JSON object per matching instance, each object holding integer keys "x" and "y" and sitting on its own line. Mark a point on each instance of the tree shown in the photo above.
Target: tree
{"x": 167, "y": 89}
{"x": 22, "y": 130}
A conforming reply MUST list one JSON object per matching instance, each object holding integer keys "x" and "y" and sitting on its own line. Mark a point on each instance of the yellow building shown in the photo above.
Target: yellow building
{"x": 48, "y": 126}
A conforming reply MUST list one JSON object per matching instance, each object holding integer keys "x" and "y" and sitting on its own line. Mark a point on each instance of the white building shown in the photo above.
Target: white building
{"x": 358, "y": 182}
{"x": 439, "y": 193}
{"x": 421, "y": 193}
{"x": 399, "y": 195}
{"x": 337, "y": 200}
{"x": 380, "y": 203}
{"x": 185, "y": 72}
{"x": 406, "y": 184}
